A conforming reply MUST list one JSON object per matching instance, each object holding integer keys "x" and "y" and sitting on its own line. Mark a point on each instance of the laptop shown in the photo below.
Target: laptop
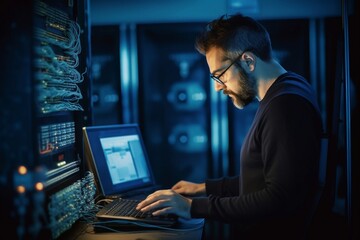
{"x": 117, "y": 157}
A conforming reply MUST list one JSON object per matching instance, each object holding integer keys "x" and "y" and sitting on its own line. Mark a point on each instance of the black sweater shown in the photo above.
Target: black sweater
{"x": 278, "y": 166}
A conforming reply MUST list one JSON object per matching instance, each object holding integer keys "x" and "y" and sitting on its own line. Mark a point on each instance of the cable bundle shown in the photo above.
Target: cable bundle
{"x": 56, "y": 60}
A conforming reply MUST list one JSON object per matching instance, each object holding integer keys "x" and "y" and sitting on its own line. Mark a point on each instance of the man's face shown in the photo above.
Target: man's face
{"x": 238, "y": 85}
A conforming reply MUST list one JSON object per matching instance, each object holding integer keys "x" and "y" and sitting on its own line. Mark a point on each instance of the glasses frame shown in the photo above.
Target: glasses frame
{"x": 217, "y": 78}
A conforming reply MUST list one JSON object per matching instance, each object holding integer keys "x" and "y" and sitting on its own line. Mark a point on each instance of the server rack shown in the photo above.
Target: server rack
{"x": 106, "y": 72}
{"x": 174, "y": 109}
{"x": 44, "y": 103}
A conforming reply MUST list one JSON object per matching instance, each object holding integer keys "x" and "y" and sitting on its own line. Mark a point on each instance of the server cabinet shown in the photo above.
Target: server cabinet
{"x": 174, "y": 110}
{"x": 106, "y": 72}
{"x": 44, "y": 104}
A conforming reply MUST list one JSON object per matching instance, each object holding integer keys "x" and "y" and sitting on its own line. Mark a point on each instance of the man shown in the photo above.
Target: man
{"x": 280, "y": 154}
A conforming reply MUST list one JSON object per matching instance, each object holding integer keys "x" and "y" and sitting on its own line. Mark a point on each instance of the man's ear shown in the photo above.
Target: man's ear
{"x": 249, "y": 61}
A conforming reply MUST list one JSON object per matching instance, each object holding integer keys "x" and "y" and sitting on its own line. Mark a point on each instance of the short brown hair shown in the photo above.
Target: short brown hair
{"x": 235, "y": 34}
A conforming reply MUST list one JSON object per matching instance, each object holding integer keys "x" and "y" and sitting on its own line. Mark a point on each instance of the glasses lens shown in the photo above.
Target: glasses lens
{"x": 216, "y": 79}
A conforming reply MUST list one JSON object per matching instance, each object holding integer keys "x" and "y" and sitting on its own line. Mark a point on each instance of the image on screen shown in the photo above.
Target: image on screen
{"x": 125, "y": 159}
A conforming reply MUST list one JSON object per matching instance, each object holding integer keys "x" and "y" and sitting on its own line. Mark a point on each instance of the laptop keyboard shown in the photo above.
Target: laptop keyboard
{"x": 127, "y": 208}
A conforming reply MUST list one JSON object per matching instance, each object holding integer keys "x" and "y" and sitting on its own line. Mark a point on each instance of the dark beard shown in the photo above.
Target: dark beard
{"x": 247, "y": 92}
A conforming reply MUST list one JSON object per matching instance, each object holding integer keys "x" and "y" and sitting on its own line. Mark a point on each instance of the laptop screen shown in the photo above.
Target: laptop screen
{"x": 116, "y": 155}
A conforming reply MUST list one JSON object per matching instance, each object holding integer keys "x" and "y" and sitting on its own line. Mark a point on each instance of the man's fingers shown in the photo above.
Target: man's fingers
{"x": 162, "y": 211}
{"x": 148, "y": 200}
{"x": 153, "y": 204}
{"x": 147, "y": 208}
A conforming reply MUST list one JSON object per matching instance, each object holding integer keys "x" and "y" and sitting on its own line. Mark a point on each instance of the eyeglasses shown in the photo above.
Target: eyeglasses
{"x": 217, "y": 78}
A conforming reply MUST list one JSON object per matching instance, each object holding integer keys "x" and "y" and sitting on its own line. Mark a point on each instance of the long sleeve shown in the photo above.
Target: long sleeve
{"x": 227, "y": 186}
{"x": 222, "y": 187}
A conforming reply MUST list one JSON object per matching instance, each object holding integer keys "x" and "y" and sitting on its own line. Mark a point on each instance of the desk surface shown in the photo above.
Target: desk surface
{"x": 83, "y": 231}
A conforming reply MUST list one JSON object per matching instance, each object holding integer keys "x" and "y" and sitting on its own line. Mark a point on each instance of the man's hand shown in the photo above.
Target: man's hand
{"x": 189, "y": 188}
{"x": 166, "y": 202}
